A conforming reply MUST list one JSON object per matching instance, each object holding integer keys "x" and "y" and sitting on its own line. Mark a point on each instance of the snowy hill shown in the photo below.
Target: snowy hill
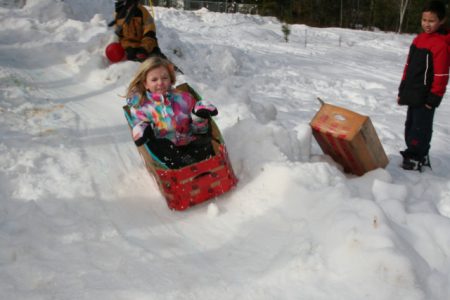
{"x": 81, "y": 219}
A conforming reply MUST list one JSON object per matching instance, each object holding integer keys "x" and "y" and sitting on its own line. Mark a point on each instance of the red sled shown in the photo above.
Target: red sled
{"x": 196, "y": 183}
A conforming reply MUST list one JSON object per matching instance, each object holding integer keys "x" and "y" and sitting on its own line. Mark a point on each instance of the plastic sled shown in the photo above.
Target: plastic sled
{"x": 196, "y": 183}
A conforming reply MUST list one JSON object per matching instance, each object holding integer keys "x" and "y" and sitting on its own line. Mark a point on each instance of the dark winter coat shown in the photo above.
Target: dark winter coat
{"x": 426, "y": 72}
{"x": 136, "y": 28}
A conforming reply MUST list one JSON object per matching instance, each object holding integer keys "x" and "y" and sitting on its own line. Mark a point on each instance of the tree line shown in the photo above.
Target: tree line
{"x": 385, "y": 15}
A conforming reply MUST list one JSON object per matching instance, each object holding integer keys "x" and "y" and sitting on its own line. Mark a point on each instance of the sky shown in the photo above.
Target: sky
{"x": 80, "y": 218}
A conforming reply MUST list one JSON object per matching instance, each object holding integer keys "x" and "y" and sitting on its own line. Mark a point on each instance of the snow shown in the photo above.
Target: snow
{"x": 80, "y": 218}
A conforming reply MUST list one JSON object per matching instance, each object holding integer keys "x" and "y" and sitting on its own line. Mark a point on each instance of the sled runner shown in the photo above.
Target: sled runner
{"x": 196, "y": 183}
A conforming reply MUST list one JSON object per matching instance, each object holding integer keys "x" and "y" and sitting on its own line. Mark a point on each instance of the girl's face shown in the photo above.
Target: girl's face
{"x": 430, "y": 22}
{"x": 158, "y": 80}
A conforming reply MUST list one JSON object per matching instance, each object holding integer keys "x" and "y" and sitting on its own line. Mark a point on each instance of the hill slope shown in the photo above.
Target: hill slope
{"x": 81, "y": 219}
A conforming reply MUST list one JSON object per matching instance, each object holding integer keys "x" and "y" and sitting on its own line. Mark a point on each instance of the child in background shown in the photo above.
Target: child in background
{"x": 136, "y": 30}
{"x": 174, "y": 126}
{"x": 423, "y": 84}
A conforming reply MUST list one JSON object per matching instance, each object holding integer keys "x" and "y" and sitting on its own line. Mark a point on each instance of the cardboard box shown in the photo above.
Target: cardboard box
{"x": 349, "y": 138}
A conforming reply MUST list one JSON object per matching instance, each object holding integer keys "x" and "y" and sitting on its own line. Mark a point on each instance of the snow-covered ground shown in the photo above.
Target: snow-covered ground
{"x": 81, "y": 219}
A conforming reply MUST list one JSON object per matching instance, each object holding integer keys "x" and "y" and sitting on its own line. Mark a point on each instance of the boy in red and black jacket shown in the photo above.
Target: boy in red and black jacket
{"x": 423, "y": 84}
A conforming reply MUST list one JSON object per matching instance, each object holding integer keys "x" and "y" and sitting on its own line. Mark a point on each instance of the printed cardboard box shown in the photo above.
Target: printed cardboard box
{"x": 349, "y": 138}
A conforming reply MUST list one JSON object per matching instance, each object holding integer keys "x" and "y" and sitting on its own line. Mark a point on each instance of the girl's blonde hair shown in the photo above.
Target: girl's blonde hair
{"x": 137, "y": 83}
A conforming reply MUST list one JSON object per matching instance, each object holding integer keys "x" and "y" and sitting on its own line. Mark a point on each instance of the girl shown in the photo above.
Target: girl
{"x": 174, "y": 126}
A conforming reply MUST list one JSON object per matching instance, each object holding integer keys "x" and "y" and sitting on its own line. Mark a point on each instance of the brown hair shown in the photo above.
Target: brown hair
{"x": 136, "y": 85}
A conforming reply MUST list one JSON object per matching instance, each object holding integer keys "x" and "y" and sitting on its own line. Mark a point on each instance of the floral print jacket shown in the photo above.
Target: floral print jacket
{"x": 170, "y": 116}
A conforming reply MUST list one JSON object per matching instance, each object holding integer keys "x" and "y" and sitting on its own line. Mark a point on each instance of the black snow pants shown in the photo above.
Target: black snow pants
{"x": 176, "y": 157}
{"x": 418, "y": 131}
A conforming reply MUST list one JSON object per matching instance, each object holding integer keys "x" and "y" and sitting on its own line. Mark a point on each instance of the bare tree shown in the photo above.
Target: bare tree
{"x": 403, "y": 6}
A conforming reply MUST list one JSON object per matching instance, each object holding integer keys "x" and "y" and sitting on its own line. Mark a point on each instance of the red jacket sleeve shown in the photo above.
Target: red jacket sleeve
{"x": 440, "y": 66}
